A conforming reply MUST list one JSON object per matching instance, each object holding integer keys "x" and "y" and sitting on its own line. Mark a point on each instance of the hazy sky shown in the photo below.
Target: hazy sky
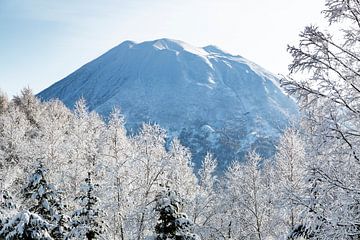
{"x": 42, "y": 41}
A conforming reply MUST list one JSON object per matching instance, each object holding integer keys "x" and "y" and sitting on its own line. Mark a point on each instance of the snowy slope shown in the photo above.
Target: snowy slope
{"x": 209, "y": 98}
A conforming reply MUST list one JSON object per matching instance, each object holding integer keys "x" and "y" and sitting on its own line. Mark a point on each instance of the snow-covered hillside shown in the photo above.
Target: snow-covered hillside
{"x": 212, "y": 100}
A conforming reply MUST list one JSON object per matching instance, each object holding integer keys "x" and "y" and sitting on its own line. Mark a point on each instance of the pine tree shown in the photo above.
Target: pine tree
{"x": 62, "y": 227}
{"x": 7, "y": 206}
{"x": 6, "y": 201}
{"x": 43, "y": 199}
{"x": 41, "y": 196}
{"x": 26, "y": 225}
{"x": 15, "y": 225}
{"x": 86, "y": 221}
{"x": 172, "y": 224}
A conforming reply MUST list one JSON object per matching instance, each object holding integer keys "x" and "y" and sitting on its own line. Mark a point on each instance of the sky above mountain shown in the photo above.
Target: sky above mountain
{"x": 42, "y": 41}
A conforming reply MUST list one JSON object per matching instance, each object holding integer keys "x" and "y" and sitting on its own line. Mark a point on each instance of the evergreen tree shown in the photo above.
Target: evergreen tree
{"x": 26, "y": 225}
{"x": 62, "y": 227}
{"x": 86, "y": 221}
{"x": 6, "y": 201}
{"x": 172, "y": 224}
{"x": 43, "y": 199}
{"x": 7, "y": 206}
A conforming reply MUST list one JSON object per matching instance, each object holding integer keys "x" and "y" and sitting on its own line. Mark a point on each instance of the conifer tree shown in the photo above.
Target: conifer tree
{"x": 26, "y": 225}
{"x": 61, "y": 221}
{"x": 6, "y": 201}
{"x": 41, "y": 196}
{"x": 87, "y": 223}
{"x": 172, "y": 224}
{"x": 43, "y": 199}
{"x": 7, "y": 205}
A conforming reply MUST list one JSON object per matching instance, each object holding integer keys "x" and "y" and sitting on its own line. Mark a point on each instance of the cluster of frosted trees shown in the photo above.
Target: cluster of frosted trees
{"x": 71, "y": 175}
{"x": 329, "y": 97}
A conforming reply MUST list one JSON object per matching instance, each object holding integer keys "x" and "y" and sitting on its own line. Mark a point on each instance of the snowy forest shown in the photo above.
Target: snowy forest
{"x": 73, "y": 174}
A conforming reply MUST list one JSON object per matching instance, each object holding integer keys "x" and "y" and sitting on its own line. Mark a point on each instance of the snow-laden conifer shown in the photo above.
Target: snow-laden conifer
{"x": 87, "y": 221}
{"x": 44, "y": 199}
{"x": 172, "y": 223}
{"x": 26, "y": 225}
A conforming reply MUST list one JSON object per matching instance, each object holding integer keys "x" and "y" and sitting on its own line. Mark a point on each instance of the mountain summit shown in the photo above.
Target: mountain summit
{"x": 212, "y": 100}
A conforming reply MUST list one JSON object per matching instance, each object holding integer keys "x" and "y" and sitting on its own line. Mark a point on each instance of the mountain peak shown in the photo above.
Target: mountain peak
{"x": 167, "y": 43}
{"x": 173, "y": 45}
{"x": 186, "y": 90}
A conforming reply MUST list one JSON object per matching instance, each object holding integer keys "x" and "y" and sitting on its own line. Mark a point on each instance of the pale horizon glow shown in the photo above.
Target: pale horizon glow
{"x": 43, "y": 41}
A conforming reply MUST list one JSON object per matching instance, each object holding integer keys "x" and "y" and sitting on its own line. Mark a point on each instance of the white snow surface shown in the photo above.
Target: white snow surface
{"x": 185, "y": 89}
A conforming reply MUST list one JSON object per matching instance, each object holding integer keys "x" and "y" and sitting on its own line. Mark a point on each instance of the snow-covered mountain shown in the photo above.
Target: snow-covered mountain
{"x": 212, "y": 100}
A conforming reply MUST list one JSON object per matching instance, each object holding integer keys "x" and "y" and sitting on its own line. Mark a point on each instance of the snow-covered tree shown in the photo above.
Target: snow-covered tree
{"x": 61, "y": 226}
{"x": 7, "y": 207}
{"x": 14, "y": 147}
{"x": 172, "y": 224}
{"x": 53, "y": 143}
{"x": 289, "y": 181}
{"x": 26, "y": 225}
{"x": 29, "y": 104}
{"x": 329, "y": 98}
{"x": 116, "y": 180}
{"x": 249, "y": 207}
{"x": 85, "y": 138}
{"x": 148, "y": 168}
{"x": 6, "y": 201}
{"x": 44, "y": 199}
{"x": 4, "y": 102}
{"x": 178, "y": 171}
{"x": 87, "y": 222}
{"x": 206, "y": 203}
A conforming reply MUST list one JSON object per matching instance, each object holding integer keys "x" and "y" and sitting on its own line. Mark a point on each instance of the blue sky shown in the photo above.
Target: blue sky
{"x": 42, "y": 41}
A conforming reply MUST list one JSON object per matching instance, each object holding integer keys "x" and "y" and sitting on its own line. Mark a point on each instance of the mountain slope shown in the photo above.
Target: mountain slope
{"x": 212, "y": 100}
